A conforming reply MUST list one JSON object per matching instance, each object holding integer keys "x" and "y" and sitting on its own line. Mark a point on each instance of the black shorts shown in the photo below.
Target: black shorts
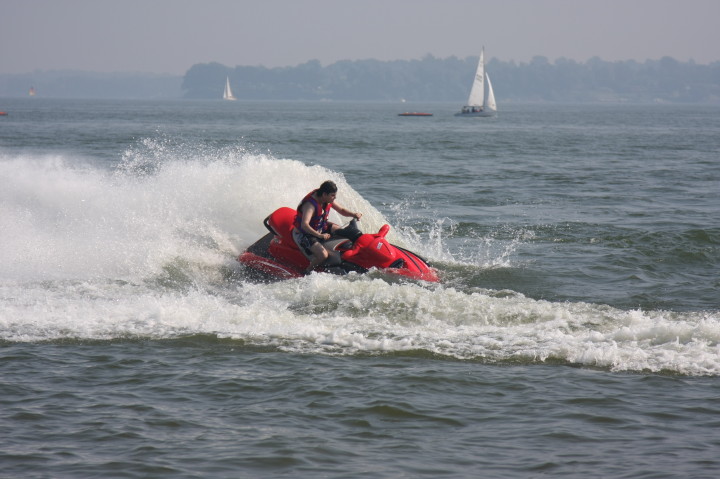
{"x": 304, "y": 241}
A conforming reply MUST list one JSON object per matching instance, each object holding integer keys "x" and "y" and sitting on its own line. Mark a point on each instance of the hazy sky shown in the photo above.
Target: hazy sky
{"x": 169, "y": 36}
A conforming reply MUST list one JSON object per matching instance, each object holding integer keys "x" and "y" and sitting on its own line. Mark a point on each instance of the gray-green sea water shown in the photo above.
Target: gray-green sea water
{"x": 574, "y": 334}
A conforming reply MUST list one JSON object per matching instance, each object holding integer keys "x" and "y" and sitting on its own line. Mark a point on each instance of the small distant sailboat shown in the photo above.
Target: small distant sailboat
{"x": 227, "y": 94}
{"x": 31, "y": 92}
{"x": 480, "y": 104}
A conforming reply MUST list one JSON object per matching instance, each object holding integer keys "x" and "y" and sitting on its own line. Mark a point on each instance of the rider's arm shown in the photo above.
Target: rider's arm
{"x": 345, "y": 212}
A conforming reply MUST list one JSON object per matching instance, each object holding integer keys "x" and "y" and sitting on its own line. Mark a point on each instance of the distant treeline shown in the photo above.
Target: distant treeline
{"x": 435, "y": 79}
{"x": 428, "y": 79}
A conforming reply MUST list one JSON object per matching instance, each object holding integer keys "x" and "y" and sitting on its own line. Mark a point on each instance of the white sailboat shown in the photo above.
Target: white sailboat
{"x": 227, "y": 94}
{"x": 480, "y": 104}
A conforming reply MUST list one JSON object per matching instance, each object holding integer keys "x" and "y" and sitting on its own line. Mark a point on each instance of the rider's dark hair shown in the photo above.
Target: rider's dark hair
{"x": 327, "y": 187}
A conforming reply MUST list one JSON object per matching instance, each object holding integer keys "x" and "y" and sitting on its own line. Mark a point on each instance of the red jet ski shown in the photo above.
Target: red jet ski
{"x": 276, "y": 254}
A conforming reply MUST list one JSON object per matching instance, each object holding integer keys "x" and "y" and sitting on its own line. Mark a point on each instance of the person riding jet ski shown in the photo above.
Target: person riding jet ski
{"x": 311, "y": 224}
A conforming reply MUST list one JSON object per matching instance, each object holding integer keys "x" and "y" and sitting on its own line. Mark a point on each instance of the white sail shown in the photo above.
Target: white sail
{"x": 477, "y": 92}
{"x": 480, "y": 103}
{"x": 490, "y": 105}
{"x": 227, "y": 94}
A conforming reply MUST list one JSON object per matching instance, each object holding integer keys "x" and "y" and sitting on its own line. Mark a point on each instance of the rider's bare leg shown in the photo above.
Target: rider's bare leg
{"x": 319, "y": 256}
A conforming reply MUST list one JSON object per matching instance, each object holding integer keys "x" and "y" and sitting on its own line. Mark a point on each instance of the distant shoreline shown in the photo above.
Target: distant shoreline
{"x": 430, "y": 79}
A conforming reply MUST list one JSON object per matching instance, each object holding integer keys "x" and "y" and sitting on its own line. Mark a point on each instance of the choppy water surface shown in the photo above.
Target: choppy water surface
{"x": 575, "y": 332}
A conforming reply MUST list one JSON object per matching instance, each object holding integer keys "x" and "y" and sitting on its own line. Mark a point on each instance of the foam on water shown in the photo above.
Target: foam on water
{"x": 145, "y": 251}
{"x": 326, "y": 314}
